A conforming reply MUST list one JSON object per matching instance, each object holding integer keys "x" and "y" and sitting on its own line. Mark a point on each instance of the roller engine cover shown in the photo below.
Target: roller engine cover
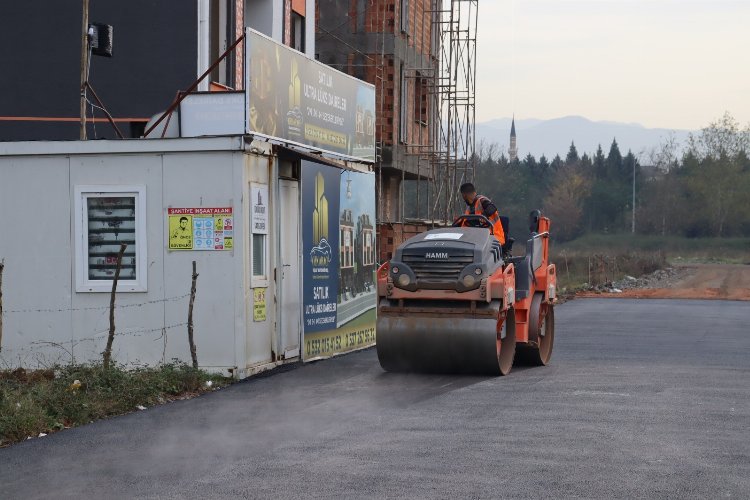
{"x": 455, "y": 258}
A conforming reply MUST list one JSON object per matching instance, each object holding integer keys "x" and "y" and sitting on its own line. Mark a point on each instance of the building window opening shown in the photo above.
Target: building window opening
{"x": 297, "y": 41}
{"x": 259, "y": 255}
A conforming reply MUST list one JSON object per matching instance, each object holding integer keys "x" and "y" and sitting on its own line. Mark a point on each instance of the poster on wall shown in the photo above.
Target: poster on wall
{"x": 339, "y": 296}
{"x": 293, "y": 97}
{"x": 357, "y": 267}
{"x": 320, "y": 206}
{"x": 200, "y": 228}
{"x": 259, "y": 304}
{"x": 259, "y": 210}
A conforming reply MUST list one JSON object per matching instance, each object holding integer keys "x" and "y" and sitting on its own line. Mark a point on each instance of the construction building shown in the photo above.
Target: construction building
{"x": 420, "y": 55}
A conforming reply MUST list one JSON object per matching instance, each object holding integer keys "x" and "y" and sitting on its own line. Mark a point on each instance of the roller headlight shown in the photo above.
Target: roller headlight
{"x": 404, "y": 280}
{"x": 469, "y": 281}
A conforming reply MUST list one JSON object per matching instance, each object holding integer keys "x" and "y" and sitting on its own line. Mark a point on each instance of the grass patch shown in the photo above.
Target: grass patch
{"x": 44, "y": 401}
{"x": 675, "y": 248}
{"x": 578, "y": 270}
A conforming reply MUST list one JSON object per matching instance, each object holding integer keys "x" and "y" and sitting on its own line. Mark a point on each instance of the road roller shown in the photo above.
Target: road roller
{"x": 453, "y": 300}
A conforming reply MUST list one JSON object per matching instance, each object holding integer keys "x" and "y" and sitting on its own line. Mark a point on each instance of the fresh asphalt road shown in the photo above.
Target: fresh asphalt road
{"x": 644, "y": 398}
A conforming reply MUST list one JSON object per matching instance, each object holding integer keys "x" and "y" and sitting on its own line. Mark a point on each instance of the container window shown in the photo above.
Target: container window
{"x": 105, "y": 220}
{"x": 259, "y": 255}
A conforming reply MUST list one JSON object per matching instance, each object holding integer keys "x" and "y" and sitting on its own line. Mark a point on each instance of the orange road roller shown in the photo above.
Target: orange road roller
{"x": 452, "y": 300}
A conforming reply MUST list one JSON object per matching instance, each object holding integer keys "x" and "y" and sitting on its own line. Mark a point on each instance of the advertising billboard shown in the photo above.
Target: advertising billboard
{"x": 338, "y": 237}
{"x": 295, "y": 98}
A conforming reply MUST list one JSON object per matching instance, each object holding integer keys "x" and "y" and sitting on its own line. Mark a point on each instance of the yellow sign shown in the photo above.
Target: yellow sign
{"x": 201, "y": 228}
{"x": 259, "y": 304}
{"x": 180, "y": 232}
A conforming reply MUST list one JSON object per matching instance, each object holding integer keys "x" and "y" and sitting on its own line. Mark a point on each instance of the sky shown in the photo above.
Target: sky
{"x": 677, "y": 64}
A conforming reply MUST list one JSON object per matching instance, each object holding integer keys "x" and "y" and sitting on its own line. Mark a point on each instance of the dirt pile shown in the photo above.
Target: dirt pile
{"x": 697, "y": 281}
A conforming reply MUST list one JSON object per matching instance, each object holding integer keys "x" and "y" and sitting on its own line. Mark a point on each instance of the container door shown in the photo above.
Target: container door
{"x": 291, "y": 276}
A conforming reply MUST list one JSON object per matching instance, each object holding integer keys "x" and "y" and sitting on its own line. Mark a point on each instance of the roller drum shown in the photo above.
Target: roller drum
{"x": 445, "y": 343}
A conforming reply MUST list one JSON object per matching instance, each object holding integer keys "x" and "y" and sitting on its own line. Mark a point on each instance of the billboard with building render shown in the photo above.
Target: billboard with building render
{"x": 295, "y": 98}
{"x": 338, "y": 254}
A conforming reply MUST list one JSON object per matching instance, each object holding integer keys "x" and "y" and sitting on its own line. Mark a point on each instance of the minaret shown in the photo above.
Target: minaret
{"x": 513, "y": 151}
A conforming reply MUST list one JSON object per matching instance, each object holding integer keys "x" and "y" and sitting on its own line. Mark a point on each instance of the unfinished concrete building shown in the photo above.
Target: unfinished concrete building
{"x": 419, "y": 54}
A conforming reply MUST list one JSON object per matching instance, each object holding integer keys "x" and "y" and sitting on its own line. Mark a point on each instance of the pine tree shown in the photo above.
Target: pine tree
{"x": 614, "y": 161}
{"x": 572, "y": 157}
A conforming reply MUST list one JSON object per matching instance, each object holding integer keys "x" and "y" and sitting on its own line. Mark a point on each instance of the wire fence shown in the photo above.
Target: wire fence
{"x": 50, "y": 351}
{"x": 96, "y": 308}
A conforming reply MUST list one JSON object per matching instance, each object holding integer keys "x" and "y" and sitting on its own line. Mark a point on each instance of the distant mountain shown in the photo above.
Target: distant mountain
{"x": 551, "y": 137}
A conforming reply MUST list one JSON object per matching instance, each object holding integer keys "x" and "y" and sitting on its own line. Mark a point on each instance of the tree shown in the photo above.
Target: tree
{"x": 717, "y": 177}
{"x": 557, "y": 163}
{"x": 631, "y": 168}
{"x": 572, "y": 155}
{"x": 586, "y": 163}
{"x": 544, "y": 165}
{"x": 565, "y": 199}
{"x": 722, "y": 137}
{"x": 599, "y": 163}
{"x": 614, "y": 162}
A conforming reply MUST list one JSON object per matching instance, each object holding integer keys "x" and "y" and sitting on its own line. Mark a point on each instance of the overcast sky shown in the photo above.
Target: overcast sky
{"x": 662, "y": 63}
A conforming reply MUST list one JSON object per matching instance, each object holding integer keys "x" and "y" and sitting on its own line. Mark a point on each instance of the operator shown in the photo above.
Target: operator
{"x": 481, "y": 205}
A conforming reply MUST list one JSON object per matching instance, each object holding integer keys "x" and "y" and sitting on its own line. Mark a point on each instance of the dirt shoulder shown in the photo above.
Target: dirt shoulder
{"x": 690, "y": 281}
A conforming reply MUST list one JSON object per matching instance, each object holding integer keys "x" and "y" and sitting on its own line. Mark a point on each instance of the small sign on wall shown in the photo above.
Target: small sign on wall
{"x": 201, "y": 228}
{"x": 259, "y": 208}
{"x": 259, "y": 304}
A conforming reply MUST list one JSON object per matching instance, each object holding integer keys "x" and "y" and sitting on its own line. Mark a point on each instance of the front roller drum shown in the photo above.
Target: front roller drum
{"x": 446, "y": 344}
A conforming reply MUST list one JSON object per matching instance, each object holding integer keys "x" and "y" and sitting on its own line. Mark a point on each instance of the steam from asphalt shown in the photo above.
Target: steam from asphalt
{"x": 193, "y": 444}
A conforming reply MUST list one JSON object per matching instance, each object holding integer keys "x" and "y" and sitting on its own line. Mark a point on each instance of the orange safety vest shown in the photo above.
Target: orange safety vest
{"x": 497, "y": 225}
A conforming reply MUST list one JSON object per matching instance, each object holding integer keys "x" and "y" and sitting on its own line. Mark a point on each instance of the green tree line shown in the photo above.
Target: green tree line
{"x": 698, "y": 189}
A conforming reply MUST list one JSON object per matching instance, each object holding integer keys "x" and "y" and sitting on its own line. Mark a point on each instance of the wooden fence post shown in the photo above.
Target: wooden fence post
{"x": 193, "y": 350}
{"x": 111, "y": 336}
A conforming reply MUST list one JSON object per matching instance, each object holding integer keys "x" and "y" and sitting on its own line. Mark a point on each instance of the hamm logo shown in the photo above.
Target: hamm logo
{"x": 436, "y": 255}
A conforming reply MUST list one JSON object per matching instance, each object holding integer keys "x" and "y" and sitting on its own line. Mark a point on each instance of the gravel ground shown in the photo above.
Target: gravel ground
{"x": 661, "y": 278}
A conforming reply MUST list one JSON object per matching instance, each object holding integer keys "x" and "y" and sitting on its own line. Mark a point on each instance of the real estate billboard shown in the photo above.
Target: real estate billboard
{"x": 295, "y": 98}
{"x": 338, "y": 252}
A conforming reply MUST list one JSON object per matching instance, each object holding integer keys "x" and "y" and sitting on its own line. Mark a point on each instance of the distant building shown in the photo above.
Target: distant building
{"x": 513, "y": 151}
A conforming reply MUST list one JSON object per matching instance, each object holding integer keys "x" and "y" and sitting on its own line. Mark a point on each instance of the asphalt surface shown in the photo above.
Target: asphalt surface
{"x": 643, "y": 399}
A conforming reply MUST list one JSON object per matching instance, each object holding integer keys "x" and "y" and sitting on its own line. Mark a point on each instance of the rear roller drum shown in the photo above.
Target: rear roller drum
{"x": 506, "y": 347}
{"x": 541, "y": 333}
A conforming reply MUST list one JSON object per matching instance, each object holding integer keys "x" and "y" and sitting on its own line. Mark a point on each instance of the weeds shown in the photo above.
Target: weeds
{"x": 596, "y": 259}
{"x": 675, "y": 248}
{"x": 32, "y": 402}
{"x": 578, "y": 270}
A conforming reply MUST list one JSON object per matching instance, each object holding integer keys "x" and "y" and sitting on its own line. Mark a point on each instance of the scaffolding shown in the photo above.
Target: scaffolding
{"x": 439, "y": 65}
{"x": 448, "y": 159}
